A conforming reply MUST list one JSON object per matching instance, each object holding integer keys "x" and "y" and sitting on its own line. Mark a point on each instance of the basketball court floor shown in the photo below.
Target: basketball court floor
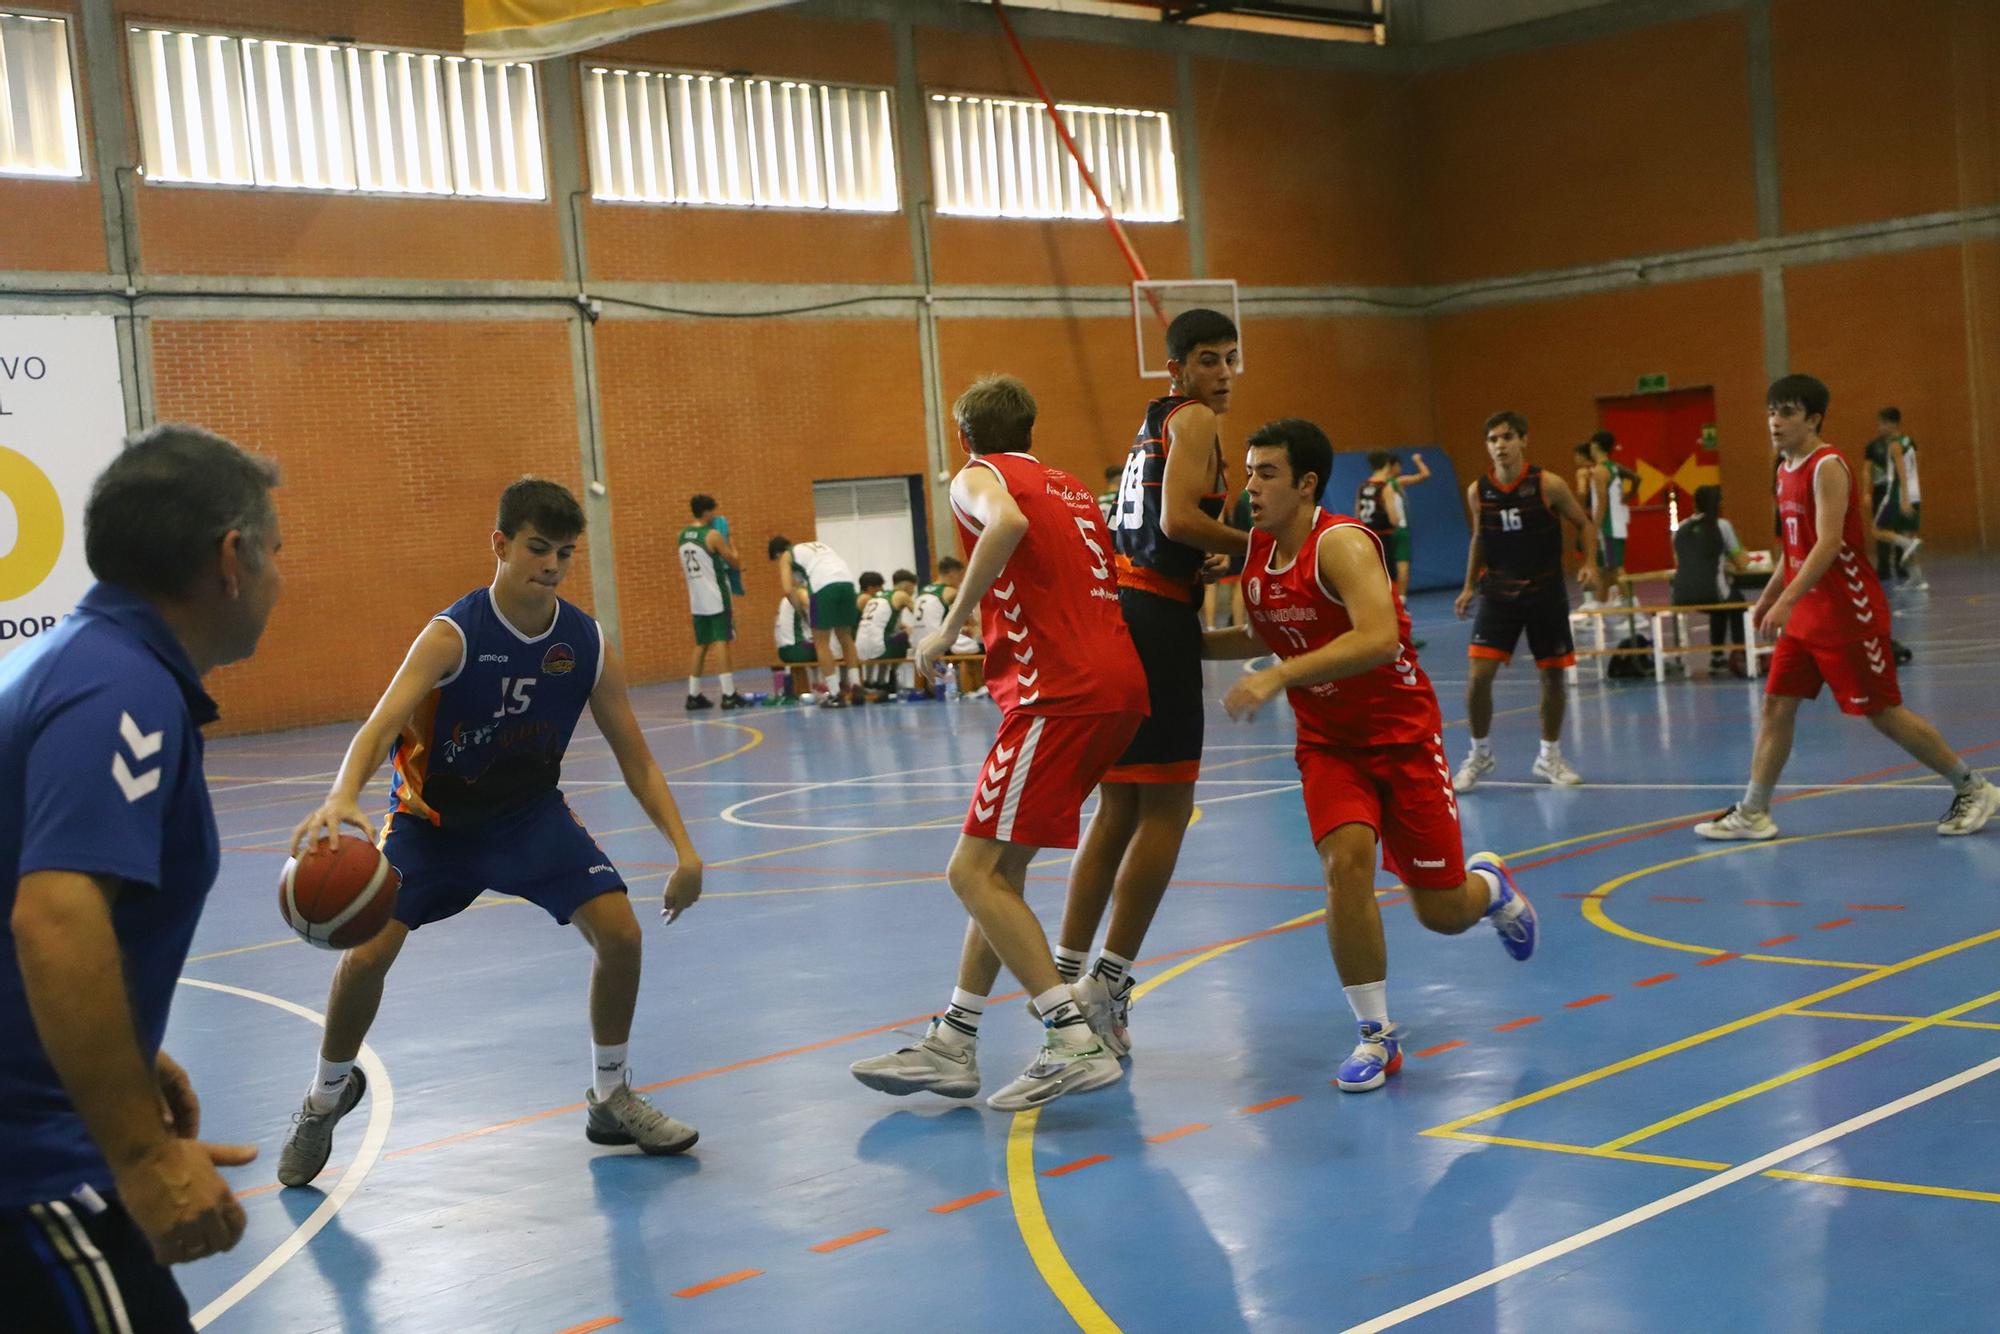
{"x": 1741, "y": 1086}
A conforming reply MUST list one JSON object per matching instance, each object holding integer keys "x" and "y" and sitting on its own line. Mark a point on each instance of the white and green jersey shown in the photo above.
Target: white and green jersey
{"x": 819, "y": 566}
{"x": 1617, "y": 517}
{"x": 707, "y": 594}
{"x": 879, "y": 617}
{"x": 927, "y": 617}
{"x": 1907, "y": 474}
{"x": 791, "y": 629}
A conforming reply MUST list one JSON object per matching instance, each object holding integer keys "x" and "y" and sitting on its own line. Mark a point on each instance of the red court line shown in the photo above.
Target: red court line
{"x": 1714, "y": 959}
{"x": 1440, "y": 1049}
{"x": 1178, "y": 1132}
{"x": 700, "y": 1288}
{"x": 1775, "y": 940}
{"x": 1655, "y": 979}
{"x": 1875, "y": 907}
{"x": 1674, "y": 898}
{"x": 966, "y": 1202}
{"x": 1598, "y": 999}
{"x": 1573, "y": 894}
{"x": 1513, "y": 1024}
{"x": 588, "y": 1328}
{"x": 839, "y": 1243}
{"x": 1838, "y": 921}
{"x": 1076, "y": 1166}
{"x": 1774, "y": 903}
{"x": 1257, "y": 1107}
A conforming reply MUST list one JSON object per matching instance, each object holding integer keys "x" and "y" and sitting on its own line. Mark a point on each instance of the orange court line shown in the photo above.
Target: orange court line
{"x": 1714, "y": 959}
{"x": 1076, "y": 1166}
{"x": 1513, "y": 1024}
{"x": 1674, "y": 898}
{"x": 591, "y": 1326}
{"x": 1875, "y": 907}
{"x": 1598, "y": 999}
{"x": 967, "y": 1201}
{"x": 1838, "y": 921}
{"x": 1257, "y": 1107}
{"x": 723, "y": 1282}
{"x": 1167, "y": 1136}
{"x": 1775, "y": 903}
{"x": 1440, "y": 1049}
{"x": 1655, "y": 979}
{"x": 1775, "y": 940}
{"x": 838, "y": 1243}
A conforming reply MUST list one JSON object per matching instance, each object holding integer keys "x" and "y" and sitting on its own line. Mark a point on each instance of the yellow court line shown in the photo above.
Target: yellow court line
{"x": 1901, "y": 1187}
{"x": 1585, "y": 1151}
{"x": 1709, "y": 1035}
{"x": 1762, "y": 1086}
{"x": 756, "y": 740}
{"x": 1894, "y": 1019}
{"x": 1034, "y": 1224}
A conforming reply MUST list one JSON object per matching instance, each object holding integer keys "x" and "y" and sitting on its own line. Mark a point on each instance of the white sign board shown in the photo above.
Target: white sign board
{"x": 62, "y": 419}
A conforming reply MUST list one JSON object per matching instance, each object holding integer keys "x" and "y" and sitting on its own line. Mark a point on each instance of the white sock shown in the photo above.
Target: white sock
{"x": 327, "y": 1086}
{"x": 1492, "y": 886}
{"x": 694, "y": 685}
{"x": 1552, "y": 750}
{"x": 608, "y": 1069}
{"x": 1058, "y": 1007}
{"x": 1482, "y": 747}
{"x": 962, "y": 1016}
{"x": 729, "y": 683}
{"x": 1369, "y": 1001}
{"x": 1069, "y": 962}
{"x": 1113, "y": 968}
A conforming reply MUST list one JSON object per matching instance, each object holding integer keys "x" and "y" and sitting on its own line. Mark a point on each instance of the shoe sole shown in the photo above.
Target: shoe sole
{"x": 1969, "y": 829}
{"x": 897, "y": 1087}
{"x": 1747, "y": 837}
{"x": 1112, "y": 1075}
{"x": 618, "y": 1139}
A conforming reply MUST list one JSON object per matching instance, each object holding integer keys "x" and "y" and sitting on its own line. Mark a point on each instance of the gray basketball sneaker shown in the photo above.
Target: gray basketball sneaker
{"x": 933, "y": 1065}
{"x": 627, "y": 1118}
{"x": 311, "y": 1140}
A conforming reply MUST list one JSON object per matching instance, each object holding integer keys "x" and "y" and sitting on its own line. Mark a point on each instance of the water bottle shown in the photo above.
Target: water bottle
{"x": 951, "y": 683}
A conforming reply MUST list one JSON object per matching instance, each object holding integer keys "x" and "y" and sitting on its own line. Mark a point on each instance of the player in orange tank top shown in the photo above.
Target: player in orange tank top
{"x": 1827, "y": 611}
{"x": 1061, "y": 666}
{"x": 1321, "y": 595}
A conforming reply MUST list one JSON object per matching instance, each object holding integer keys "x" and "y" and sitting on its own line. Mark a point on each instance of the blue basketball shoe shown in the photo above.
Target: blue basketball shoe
{"x": 1513, "y": 916}
{"x": 1378, "y": 1055}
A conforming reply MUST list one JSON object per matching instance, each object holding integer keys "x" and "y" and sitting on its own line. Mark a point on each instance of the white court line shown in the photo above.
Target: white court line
{"x": 1667, "y": 1203}
{"x": 381, "y": 1107}
{"x": 1718, "y": 787}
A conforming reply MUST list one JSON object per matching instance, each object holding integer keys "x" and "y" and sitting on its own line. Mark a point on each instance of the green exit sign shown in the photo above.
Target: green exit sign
{"x": 1653, "y": 384}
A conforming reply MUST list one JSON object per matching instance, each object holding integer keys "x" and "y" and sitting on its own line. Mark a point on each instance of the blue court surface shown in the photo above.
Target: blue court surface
{"x": 1740, "y": 1087}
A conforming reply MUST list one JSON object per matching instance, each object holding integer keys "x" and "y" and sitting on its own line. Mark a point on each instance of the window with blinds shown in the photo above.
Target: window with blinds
{"x": 224, "y": 110}
{"x": 37, "y": 100}
{"x": 664, "y": 137}
{"x": 995, "y": 157}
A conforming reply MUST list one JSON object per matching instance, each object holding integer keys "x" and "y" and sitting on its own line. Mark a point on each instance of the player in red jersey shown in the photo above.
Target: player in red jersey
{"x": 1831, "y": 620}
{"x": 1322, "y": 596}
{"x": 1061, "y": 666}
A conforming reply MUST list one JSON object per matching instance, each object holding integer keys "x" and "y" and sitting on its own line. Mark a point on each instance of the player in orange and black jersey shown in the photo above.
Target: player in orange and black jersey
{"x": 1166, "y": 526}
{"x": 1515, "y": 567}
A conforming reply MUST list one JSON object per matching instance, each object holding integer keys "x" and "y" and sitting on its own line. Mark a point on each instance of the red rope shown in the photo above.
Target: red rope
{"x": 1048, "y": 104}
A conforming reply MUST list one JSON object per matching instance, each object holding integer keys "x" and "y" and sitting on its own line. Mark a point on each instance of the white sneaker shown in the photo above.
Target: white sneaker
{"x": 1477, "y": 765}
{"x": 1556, "y": 769}
{"x": 933, "y": 1065}
{"x": 1737, "y": 823}
{"x": 1106, "y": 1010}
{"x": 1970, "y": 810}
{"x": 1072, "y": 1060}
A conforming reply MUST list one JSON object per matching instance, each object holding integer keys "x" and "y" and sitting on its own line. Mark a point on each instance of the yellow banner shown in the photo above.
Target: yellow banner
{"x": 537, "y": 29}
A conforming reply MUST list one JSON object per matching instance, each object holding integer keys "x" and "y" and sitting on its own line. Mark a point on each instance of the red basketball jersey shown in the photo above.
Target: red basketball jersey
{"x": 1847, "y": 604}
{"x": 1056, "y": 642}
{"x": 1295, "y": 613}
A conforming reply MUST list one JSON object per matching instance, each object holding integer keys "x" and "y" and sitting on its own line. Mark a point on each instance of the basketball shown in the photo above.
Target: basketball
{"x": 338, "y": 896}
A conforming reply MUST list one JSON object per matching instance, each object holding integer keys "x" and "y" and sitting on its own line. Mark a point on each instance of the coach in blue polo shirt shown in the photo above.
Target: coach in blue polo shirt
{"x": 107, "y": 851}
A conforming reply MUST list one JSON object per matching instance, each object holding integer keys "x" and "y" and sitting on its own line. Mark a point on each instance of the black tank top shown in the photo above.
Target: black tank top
{"x": 1147, "y": 557}
{"x": 1371, "y": 506}
{"x": 1520, "y": 537}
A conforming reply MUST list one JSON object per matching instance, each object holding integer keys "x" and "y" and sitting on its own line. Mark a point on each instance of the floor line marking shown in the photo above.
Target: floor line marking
{"x": 1178, "y": 1132}
{"x": 1838, "y": 921}
{"x": 966, "y": 1201}
{"x": 1667, "y": 1203}
{"x": 1775, "y": 940}
{"x": 1076, "y": 1166}
{"x": 1763, "y": 1086}
{"x": 1655, "y": 979}
{"x": 1585, "y": 1151}
{"x": 1513, "y": 1024}
{"x": 592, "y": 1326}
{"x": 1440, "y": 1049}
{"x": 842, "y": 1243}
{"x": 1896, "y": 1019}
{"x": 701, "y": 1289}
{"x": 381, "y": 1110}
{"x": 1256, "y": 1107}
{"x": 1584, "y": 1001}
{"x": 1033, "y": 1224}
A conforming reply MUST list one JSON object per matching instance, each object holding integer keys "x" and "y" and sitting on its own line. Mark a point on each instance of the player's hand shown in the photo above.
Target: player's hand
{"x": 1252, "y": 693}
{"x": 1213, "y": 567}
{"x": 928, "y": 653}
{"x": 181, "y": 1202}
{"x": 323, "y": 825}
{"x": 180, "y": 1109}
{"x": 683, "y": 888}
{"x": 1771, "y": 620}
{"x": 1462, "y": 604}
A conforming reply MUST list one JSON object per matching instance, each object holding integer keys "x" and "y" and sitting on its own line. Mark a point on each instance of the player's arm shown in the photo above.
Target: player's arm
{"x": 1474, "y": 558}
{"x": 1350, "y": 563}
{"x": 1563, "y": 501}
{"x": 436, "y": 654}
{"x": 1830, "y": 492}
{"x": 1422, "y": 474}
{"x": 1189, "y": 473}
{"x": 792, "y": 586}
{"x": 979, "y": 495}
{"x": 1231, "y": 642}
{"x": 724, "y": 548}
{"x": 611, "y": 709}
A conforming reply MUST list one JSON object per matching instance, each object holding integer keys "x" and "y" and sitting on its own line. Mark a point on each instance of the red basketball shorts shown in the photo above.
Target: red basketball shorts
{"x": 1862, "y": 674}
{"x": 1402, "y": 792}
{"x": 1038, "y": 773}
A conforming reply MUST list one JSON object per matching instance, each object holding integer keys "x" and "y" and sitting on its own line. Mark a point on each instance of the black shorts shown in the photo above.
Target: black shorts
{"x": 1167, "y": 633}
{"x": 1540, "y": 608}
{"x": 64, "y": 1267}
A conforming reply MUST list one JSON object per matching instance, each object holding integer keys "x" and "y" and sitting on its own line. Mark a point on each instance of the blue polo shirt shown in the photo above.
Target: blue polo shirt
{"x": 100, "y": 772}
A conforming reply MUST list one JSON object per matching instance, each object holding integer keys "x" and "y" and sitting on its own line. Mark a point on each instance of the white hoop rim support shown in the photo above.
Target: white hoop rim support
{"x": 1142, "y": 311}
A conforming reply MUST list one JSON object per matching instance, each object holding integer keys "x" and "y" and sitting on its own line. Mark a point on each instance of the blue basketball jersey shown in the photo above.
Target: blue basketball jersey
{"x": 490, "y": 738}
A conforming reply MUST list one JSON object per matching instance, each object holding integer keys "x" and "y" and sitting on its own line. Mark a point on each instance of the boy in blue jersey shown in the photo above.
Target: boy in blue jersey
{"x": 107, "y": 851}
{"x": 479, "y": 717}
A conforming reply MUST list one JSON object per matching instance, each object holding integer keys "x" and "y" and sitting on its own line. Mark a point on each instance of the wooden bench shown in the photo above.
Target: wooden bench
{"x": 1657, "y": 617}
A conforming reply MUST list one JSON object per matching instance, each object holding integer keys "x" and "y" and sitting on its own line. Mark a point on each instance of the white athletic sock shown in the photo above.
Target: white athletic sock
{"x": 962, "y": 1016}
{"x": 1113, "y": 968}
{"x": 608, "y": 1069}
{"x": 1369, "y": 1001}
{"x": 1070, "y": 962}
{"x": 1058, "y": 1007}
{"x": 1482, "y": 746}
{"x": 694, "y": 685}
{"x": 327, "y": 1086}
{"x": 1552, "y": 750}
{"x": 1756, "y": 799}
{"x": 729, "y": 683}
{"x": 1492, "y": 886}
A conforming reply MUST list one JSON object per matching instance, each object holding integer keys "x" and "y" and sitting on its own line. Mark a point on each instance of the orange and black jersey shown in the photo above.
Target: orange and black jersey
{"x": 1520, "y": 537}
{"x": 1147, "y": 557}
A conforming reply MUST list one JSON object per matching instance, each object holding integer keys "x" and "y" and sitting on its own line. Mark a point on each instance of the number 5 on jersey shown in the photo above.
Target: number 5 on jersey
{"x": 514, "y": 695}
